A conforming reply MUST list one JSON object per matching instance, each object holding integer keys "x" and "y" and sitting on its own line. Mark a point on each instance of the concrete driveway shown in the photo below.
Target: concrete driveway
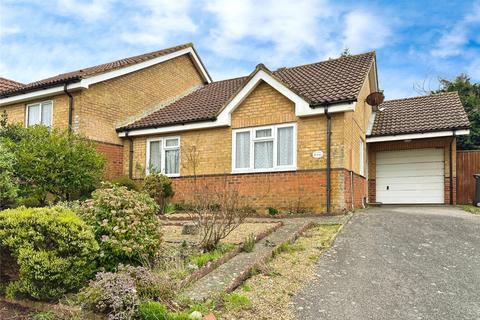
{"x": 399, "y": 263}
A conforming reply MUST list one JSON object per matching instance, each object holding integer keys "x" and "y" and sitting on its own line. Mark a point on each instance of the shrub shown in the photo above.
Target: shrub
{"x": 249, "y": 243}
{"x": 159, "y": 187}
{"x": 272, "y": 211}
{"x": 8, "y": 185}
{"x": 111, "y": 293}
{"x": 125, "y": 181}
{"x": 54, "y": 249}
{"x": 54, "y": 162}
{"x": 125, "y": 225}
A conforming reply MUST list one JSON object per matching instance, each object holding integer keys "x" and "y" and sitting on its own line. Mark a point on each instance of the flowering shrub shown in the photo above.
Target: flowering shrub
{"x": 118, "y": 294}
{"x": 54, "y": 249}
{"x": 113, "y": 294}
{"x": 159, "y": 187}
{"x": 125, "y": 225}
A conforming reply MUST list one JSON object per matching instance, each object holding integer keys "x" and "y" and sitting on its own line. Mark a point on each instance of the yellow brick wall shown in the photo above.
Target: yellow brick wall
{"x": 17, "y": 112}
{"x": 356, "y": 124}
{"x": 264, "y": 106}
{"x": 107, "y": 104}
{"x": 100, "y": 108}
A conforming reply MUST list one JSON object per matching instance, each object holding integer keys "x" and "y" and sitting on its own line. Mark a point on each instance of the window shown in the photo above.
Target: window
{"x": 361, "y": 168}
{"x": 260, "y": 149}
{"x": 163, "y": 155}
{"x": 40, "y": 113}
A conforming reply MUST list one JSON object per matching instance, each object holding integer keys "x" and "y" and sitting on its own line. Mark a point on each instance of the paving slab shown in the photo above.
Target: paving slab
{"x": 229, "y": 275}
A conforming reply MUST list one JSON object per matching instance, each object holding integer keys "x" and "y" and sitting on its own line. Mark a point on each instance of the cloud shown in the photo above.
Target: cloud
{"x": 453, "y": 41}
{"x": 365, "y": 31}
{"x": 271, "y": 30}
{"x": 156, "y": 21}
{"x": 88, "y": 11}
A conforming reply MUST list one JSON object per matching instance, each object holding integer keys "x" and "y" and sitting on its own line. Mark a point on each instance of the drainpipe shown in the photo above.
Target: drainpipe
{"x": 451, "y": 167}
{"x": 130, "y": 156}
{"x": 70, "y": 107}
{"x": 329, "y": 134}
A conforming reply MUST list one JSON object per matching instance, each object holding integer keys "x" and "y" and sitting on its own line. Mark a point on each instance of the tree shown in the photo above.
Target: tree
{"x": 470, "y": 96}
{"x": 8, "y": 185}
{"x": 52, "y": 162}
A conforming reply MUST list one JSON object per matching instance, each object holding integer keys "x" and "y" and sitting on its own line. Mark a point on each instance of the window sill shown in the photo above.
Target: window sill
{"x": 269, "y": 170}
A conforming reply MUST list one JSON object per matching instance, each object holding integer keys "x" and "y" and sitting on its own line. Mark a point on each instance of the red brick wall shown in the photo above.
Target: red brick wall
{"x": 359, "y": 190}
{"x": 114, "y": 156}
{"x": 285, "y": 191}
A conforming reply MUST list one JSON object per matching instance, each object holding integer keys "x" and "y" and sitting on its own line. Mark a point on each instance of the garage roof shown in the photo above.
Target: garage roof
{"x": 436, "y": 112}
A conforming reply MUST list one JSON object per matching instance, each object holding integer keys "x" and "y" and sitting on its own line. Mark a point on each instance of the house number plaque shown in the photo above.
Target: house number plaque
{"x": 317, "y": 154}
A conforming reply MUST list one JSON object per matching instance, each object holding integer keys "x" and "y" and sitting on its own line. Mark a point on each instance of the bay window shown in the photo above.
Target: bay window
{"x": 40, "y": 113}
{"x": 163, "y": 156}
{"x": 261, "y": 149}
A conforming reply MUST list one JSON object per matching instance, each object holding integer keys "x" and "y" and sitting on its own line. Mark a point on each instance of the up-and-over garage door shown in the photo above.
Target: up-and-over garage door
{"x": 410, "y": 176}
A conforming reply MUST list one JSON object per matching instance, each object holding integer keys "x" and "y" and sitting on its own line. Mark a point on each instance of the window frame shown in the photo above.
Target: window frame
{"x": 361, "y": 157}
{"x": 254, "y": 139}
{"x": 163, "y": 148}
{"x": 40, "y": 104}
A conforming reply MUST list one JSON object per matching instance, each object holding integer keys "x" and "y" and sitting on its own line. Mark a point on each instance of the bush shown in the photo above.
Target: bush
{"x": 249, "y": 243}
{"x": 118, "y": 294}
{"x": 8, "y": 185}
{"x": 125, "y": 181}
{"x": 159, "y": 187}
{"x": 113, "y": 294}
{"x": 125, "y": 225}
{"x": 54, "y": 162}
{"x": 272, "y": 211}
{"x": 54, "y": 249}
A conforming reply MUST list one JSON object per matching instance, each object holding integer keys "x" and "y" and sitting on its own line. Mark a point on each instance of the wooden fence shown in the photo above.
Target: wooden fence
{"x": 468, "y": 163}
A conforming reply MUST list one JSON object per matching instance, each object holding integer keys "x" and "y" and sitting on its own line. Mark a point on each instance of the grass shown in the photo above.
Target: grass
{"x": 236, "y": 302}
{"x": 249, "y": 243}
{"x": 470, "y": 208}
{"x": 204, "y": 258}
{"x": 270, "y": 288}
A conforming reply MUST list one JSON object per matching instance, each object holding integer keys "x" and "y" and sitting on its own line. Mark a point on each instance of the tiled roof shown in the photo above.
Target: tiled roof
{"x": 436, "y": 112}
{"x": 77, "y": 75}
{"x": 7, "y": 84}
{"x": 329, "y": 81}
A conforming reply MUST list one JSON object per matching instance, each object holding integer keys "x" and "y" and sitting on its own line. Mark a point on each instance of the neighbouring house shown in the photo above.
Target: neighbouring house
{"x": 300, "y": 139}
{"x": 94, "y": 101}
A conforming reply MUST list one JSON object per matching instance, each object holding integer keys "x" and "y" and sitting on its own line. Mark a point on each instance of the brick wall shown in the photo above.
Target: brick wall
{"x": 303, "y": 190}
{"x": 444, "y": 143}
{"x": 358, "y": 189}
{"x": 114, "y": 159}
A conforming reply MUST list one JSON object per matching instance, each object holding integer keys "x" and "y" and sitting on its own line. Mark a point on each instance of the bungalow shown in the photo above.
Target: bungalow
{"x": 305, "y": 138}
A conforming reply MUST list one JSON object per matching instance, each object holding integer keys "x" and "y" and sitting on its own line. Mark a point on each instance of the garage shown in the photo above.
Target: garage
{"x": 410, "y": 176}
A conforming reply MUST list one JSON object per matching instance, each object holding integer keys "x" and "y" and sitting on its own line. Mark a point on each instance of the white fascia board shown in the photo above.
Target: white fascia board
{"x": 418, "y": 136}
{"x": 300, "y": 103}
{"x": 371, "y": 121}
{"x": 41, "y": 93}
{"x": 175, "y": 128}
{"x": 334, "y": 108}
{"x": 142, "y": 65}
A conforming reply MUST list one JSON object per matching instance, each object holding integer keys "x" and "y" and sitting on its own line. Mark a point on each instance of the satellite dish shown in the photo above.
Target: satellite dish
{"x": 375, "y": 98}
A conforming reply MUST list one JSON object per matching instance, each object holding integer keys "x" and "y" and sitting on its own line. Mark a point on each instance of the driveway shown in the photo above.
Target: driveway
{"x": 399, "y": 263}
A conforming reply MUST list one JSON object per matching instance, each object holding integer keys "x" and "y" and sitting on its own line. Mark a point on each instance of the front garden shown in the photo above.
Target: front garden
{"x": 75, "y": 247}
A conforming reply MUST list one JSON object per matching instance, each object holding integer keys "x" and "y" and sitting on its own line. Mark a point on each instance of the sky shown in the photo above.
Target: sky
{"x": 417, "y": 42}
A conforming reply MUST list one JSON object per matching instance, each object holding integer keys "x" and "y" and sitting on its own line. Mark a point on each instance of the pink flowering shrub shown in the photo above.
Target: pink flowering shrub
{"x": 125, "y": 225}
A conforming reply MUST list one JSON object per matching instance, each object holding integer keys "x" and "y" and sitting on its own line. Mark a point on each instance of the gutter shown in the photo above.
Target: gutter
{"x": 329, "y": 169}
{"x": 70, "y": 107}
{"x": 326, "y": 104}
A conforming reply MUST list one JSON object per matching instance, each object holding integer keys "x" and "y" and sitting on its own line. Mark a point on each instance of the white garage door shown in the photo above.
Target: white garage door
{"x": 410, "y": 176}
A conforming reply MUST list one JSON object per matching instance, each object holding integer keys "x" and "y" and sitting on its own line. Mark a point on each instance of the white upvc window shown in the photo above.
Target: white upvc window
{"x": 40, "y": 113}
{"x": 163, "y": 155}
{"x": 264, "y": 149}
{"x": 361, "y": 167}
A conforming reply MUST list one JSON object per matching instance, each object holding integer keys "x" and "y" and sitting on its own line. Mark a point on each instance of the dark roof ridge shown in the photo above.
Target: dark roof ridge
{"x": 420, "y": 97}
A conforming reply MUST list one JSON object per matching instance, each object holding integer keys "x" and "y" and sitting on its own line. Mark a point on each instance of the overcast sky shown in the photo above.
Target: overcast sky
{"x": 416, "y": 41}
